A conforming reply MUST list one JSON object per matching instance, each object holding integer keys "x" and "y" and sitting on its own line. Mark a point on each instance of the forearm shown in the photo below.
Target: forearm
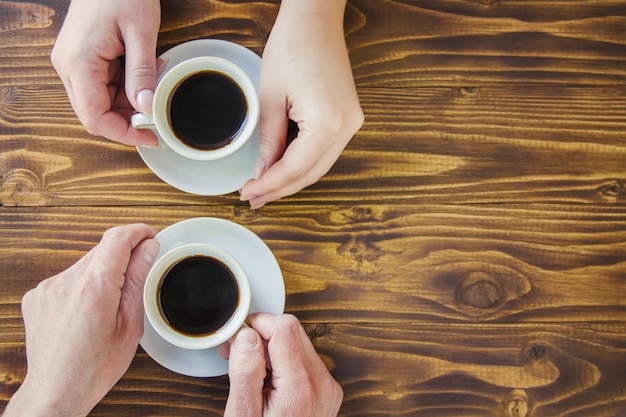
{"x": 23, "y": 405}
{"x": 34, "y": 403}
{"x": 330, "y": 8}
{"x": 313, "y": 19}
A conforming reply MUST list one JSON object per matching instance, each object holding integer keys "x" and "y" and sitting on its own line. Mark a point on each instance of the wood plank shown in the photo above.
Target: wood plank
{"x": 465, "y": 256}
{"x": 497, "y": 144}
{"x": 473, "y": 370}
{"x": 426, "y": 42}
{"x": 391, "y": 42}
{"x": 376, "y": 263}
{"x": 410, "y": 369}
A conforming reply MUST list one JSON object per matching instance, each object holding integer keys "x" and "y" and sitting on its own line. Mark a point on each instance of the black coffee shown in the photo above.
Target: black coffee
{"x": 207, "y": 110}
{"x": 198, "y": 295}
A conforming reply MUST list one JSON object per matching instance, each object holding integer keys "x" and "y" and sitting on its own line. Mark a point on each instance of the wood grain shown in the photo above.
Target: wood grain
{"x": 410, "y": 43}
{"x": 428, "y": 145}
{"x": 471, "y": 143}
{"x": 417, "y": 370}
{"x": 397, "y": 43}
{"x": 514, "y": 370}
{"x": 528, "y": 263}
{"x": 465, "y": 256}
{"x": 16, "y": 16}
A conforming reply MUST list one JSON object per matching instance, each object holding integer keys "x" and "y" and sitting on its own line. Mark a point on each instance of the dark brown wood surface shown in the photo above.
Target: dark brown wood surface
{"x": 466, "y": 255}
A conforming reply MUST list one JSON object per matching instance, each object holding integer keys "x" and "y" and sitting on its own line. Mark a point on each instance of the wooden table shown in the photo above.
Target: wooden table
{"x": 466, "y": 256}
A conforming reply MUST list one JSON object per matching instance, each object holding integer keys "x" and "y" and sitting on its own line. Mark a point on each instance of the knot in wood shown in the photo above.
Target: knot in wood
{"x": 480, "y": 291}
{"x": 363, "y": 256}
{"x": 536, "y": 352}
{"x": 320, "y": 330}
{"x": 20, "y": 187}
{"x": 356, "y": 215}
{"x": 20, "y": 15}
{"x": 612, "y": 191}
{"x": 245, "y": 214}
{"x": 10, "y": 95}
{"x": 516, "y": 403}
{"x": 469, "y": 91}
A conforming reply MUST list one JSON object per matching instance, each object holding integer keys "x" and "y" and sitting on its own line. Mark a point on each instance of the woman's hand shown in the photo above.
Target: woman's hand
{"x": 103, "y": 92}
{"x": 305, "y": 77}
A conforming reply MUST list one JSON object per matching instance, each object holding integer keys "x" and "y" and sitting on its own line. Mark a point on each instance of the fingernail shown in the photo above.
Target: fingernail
{"x": 150, "y": 252}
{"x": 260, "y": 168}
{"x": 148, "y": 140}
{"x": 150, "y": 145}
{"x": 144, "y": 101}
{"x": 245, "y": 340}
{"x": 256, "y": 206}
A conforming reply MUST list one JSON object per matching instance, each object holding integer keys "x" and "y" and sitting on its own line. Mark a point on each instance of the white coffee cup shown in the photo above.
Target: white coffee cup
{"x": 156, "y": 308}
{"x": 168, "y": 83}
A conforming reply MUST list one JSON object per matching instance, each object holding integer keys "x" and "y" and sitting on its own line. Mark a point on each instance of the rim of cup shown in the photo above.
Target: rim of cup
{"x": 183, "y": 70}
{"x": 153, "y": 311}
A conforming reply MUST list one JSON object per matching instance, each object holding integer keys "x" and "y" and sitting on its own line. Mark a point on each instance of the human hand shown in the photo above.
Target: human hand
{"x": 83, "y": 326}
{"x": 305, "y": 77}
{"x": 275, "y": 371}
{"x": 103, "y": 93}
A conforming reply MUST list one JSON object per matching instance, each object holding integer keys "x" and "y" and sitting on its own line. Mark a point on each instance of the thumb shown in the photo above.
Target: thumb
{"x": 131, "y": 302}
{"x": 141, "y": 70}
{"x": 246, "y": 370}
{"x": 272, "y": 129}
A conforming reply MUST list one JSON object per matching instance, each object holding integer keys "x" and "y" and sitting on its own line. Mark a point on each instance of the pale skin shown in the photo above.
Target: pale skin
{"x": 83, "y": 326}
{"x": 298, "y": 383}
{"x": 305, "y": 76}
{"x": 103, "y": 94}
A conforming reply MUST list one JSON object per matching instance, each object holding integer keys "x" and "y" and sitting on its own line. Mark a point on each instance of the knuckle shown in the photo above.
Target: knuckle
{"x": 244, "y": 369}
{"x": 357, "y": 119}
{"x": 142, "y": 71}
{"x": 91, "y": 126}
{"x": 64, "y": 59}
{"x": 266, "y": 139}
{"x": 115, "y": 234}
{"x": 288, "y": 322}
{"x": 340, "y": 124}
{"x": 54, "y": 58}
{"x": 27, "y": 299}
{"x": 41, "y": 288}
{"x": 58, "y": 57}
{"x": 337, "y": 391}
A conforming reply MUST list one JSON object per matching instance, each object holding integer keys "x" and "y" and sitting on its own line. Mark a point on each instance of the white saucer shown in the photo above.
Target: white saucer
{"x": 266, "y": 283}
{"x": 207, "y": 177}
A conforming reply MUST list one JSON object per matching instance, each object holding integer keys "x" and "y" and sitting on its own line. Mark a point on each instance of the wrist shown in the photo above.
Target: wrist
{"x": 336, "y": 7}
{"x": 32, "y": 403}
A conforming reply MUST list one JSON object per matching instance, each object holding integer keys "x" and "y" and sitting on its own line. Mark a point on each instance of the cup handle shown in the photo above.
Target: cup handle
{"x": 141, "y": 121}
